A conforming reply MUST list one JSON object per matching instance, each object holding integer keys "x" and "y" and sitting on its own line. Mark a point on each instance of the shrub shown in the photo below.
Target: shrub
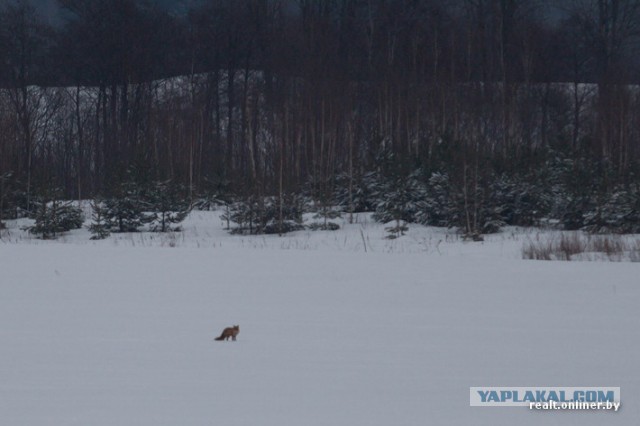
{"x": 581, "y": 247}
{"x": 328, "y": 226}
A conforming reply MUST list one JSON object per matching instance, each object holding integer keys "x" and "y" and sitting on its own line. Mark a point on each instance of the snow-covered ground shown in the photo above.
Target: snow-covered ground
{"x": 337, "y": 328}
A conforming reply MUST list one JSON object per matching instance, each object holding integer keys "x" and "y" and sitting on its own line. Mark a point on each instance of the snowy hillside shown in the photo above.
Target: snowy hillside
{"x": 337, "y": 328}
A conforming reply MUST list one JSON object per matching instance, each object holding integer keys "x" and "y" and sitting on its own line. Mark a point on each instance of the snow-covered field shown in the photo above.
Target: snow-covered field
{"x": 337, "y": 328}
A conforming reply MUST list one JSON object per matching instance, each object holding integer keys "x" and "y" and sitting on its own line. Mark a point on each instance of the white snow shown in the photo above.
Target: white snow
{"x": 120, "y": 332}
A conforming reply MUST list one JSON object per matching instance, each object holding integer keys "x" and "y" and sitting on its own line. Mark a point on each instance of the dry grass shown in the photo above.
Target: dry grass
{"x": 576, "y": 246}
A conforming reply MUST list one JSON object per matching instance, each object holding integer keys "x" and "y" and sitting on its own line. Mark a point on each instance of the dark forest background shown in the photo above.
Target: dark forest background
{"x": 470, "y": 113}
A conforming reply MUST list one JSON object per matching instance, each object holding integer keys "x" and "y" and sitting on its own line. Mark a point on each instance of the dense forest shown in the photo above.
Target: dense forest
{"x": 467, "y": 113}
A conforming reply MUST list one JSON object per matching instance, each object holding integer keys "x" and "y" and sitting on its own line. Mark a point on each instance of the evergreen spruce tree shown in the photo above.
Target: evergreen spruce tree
{"x": 517, "y": 200}
{"x": 227, "y": 203}
{"x": 43, "y": 220}
{"x": 53, "y": 216}
{"x": 100, "y": 226}
{"x": 358, "y": 194}
{"x": 266, "y": 215}
{"x": 168, "y": 205}
{"x": 324, "y": 206}
{"x": 617, "y": 212}
{"x": 436, "y": 210}
{"x": 69, "y": 217}
{"x": 215, "y": 191}
{"x": 245, "y": 213}
{"x": 4, "y": 195}
{"x": 403, "y": 197}
{"x": 326, "y": 213}
{"x": 282, "y": 215}
{"x": 128, "y": 211}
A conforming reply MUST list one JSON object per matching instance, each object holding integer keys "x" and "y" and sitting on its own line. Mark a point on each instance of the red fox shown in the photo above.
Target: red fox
{"x": 229, "y": 332}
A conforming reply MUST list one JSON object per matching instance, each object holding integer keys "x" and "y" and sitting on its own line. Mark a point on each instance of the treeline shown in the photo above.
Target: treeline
{"x": 266, "y": 98}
